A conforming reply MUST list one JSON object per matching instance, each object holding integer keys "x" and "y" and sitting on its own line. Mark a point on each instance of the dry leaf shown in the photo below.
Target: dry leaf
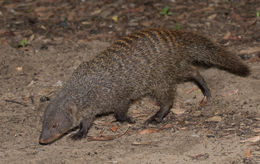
{"x": 86, "y": 22}
{"x": 233, "y": 92}
{"x": 237, "y": 17}
{"x": 178, "y": 111}
{"x": 214, "y": 119}
{"x": 96, "y": 12}
{"x": 206, "y": 9}
{"x": 146, "y": 23}
{"x": 154, "y": 103}
{"x": 6, "y": 33}
{"x": 115, "y": 18}
{"x": 114, "y": 128}
{"x": 4, "y": 42}
{"x": 72, "y": 16}
{"x": 31, "y": 38}
{"x": 19, "y": 69}
{"x": 167, "y": 126}
{"x": 43, "y": 27}
{"x": 139, "y": 9}
{"x": 43, "y": 13}
{"x": 248, "y": 153}
{"x": 10, "y": 6}
{"x": 227, "y": 36}
{"x": 242, "y": 20}
{"x": 40, "y": 9}
{"x": 213, "y": 16}
{"x": 250, "y": 50}
{"x": 148, "y": 131}
{"x": 256, "y": 130}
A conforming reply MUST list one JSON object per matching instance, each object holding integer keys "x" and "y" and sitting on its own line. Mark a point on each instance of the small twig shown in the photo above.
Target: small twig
{"x": 252, "y": 139}
{"x": 16, "y": 102}
{"x": 140, "y": 115}
{"x": 141, "y": 143}
{"x": 107, "y": 138}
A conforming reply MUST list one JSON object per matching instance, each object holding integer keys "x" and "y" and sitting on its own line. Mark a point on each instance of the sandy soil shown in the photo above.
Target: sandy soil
{"x": 213, "y": 134}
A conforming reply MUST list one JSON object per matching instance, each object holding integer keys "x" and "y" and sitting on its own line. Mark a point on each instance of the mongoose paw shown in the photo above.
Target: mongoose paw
{"x": 126, "y": 119}
{"x": 204, "y": 101}
{"x": 153, "y": 120}
{"x": 130, "y": 120}
{"x": 79, "y": 135}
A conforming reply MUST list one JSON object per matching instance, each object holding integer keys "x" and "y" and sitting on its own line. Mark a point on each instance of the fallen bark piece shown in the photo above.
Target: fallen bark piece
{"x": 107, "y": 138}
{"x": 148, "y": 131}
{"x": 153, "y": 130}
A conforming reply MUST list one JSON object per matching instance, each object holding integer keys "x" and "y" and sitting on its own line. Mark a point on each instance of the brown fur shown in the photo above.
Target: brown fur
{"x": 146, "y": 63}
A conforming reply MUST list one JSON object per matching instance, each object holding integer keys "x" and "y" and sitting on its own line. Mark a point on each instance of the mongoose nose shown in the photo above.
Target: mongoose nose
{"x": 47, "y": 140}
{"x": 41, "y": 141}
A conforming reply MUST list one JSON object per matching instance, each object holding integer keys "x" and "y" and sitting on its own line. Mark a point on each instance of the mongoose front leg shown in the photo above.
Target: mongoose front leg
{"x": 121, "y": 114}
{"x": 165, "y": 99}
{"x": 83, "y": 129}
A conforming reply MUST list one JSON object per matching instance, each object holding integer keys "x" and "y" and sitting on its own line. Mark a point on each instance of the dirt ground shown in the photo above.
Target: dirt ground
{"x": 42, "y": 42}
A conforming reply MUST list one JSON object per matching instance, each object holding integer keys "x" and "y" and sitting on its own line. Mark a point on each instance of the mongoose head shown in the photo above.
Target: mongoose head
{"x": 58, "y": 120}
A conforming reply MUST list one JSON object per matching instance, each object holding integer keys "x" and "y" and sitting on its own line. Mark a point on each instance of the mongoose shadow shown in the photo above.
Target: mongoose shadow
{"x": 145, "y": 63}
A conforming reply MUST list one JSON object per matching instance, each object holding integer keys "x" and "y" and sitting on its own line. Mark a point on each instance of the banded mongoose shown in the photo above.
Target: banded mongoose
{"x": 150, "y": 62}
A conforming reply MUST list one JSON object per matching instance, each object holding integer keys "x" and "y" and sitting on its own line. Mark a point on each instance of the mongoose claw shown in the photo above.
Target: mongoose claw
{"x": 79, "y": 135}
{"x": 204, "y": 101}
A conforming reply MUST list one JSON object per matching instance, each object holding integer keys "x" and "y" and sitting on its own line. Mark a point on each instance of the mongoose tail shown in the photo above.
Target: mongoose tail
{"x": 203, "y": 51}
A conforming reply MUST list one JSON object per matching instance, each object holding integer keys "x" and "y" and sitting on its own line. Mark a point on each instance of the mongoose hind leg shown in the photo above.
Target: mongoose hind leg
{"x": 201, "y": 83}
{"x": 192, "y": 74}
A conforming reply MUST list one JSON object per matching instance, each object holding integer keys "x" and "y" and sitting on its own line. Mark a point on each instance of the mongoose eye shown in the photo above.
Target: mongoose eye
{"x": 54, "y": 125}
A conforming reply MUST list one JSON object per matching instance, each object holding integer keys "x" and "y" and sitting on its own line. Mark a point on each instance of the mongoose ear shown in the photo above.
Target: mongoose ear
{"x": 72, "y": 108}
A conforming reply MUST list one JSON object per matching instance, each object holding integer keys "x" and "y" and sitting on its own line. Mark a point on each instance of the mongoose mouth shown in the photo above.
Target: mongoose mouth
{"x": 44, "y": 141}
{"x": 49, "y": 140}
